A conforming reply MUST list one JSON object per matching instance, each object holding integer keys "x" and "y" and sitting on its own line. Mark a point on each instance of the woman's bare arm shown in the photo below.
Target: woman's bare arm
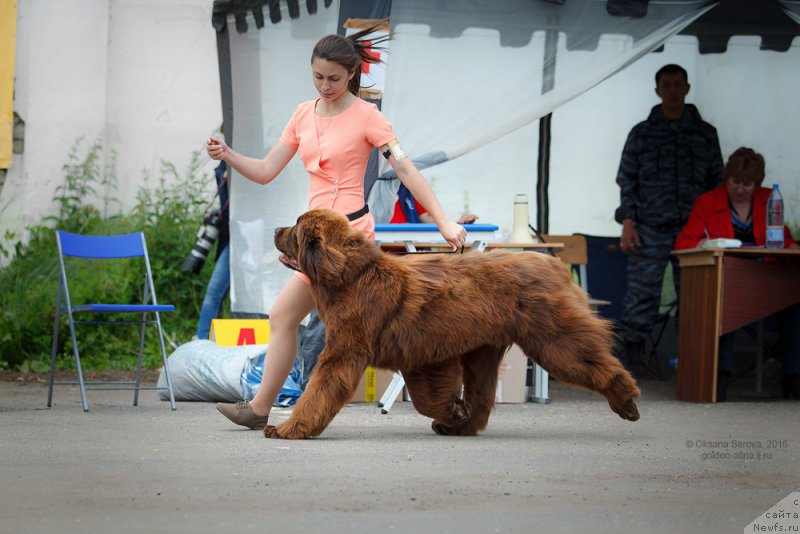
{"x": 261, "y": 171}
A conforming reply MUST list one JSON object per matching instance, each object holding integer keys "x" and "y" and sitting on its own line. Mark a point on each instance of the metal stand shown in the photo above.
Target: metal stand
{"x": 392, "y": 391}
{"x": 542, "y": 385}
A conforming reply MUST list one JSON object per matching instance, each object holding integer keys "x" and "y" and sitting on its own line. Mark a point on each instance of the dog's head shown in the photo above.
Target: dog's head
{"x": 323, "y": 246}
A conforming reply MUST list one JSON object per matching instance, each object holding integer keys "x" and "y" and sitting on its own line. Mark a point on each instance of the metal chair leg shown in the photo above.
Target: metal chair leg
{"x": 53, "y": 352}
{"x": 77, "y": 355}
{"x": 166, "y": 365}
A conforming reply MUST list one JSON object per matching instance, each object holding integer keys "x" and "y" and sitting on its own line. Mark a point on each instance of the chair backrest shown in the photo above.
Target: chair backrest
{"x": 607, "y": 275}
{"x": 101, "y": 246}
{"x": 104, "y": 247}
{"x": 574, "y": 251}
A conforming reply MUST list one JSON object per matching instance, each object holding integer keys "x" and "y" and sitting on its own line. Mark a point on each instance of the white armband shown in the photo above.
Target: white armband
{"x": 397, "y": 150}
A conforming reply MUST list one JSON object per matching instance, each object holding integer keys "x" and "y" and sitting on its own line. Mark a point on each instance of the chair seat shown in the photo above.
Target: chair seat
{"x": 122, "y": 308}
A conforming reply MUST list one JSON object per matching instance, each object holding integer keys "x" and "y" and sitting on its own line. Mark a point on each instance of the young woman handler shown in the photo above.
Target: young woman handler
{"x": 334, "y": 135}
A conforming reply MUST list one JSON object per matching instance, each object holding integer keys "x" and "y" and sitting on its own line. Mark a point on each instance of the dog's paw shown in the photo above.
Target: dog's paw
{"x": 462, "y": 411}
{"x": 621, "y": 392}
{"x": 284, "y": 431}
{"x": 271, "y": 432}
{"x": 460, "y": 430}
{"x": 458, "y": 420}
{"x": 628, "y": 410}
{"x": 442, "y": 430}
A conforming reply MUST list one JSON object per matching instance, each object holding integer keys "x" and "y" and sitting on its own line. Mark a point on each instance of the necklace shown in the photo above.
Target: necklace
{"x": 323, "y": 123}
{"x": 747, "y": 210}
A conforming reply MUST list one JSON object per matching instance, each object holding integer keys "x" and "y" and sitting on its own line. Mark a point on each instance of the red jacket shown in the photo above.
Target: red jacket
{"x": 399, "y": 217}
{"x": 711, "y": 212}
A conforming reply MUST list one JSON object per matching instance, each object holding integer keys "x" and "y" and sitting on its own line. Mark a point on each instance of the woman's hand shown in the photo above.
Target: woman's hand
{"x": 467, "y": 218}
{"x": 454, "y": 234}
{"x": 216, "y": 148}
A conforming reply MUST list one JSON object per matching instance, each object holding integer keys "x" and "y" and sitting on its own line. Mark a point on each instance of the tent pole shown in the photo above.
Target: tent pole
{"x": 543, "y": 163}
{"x": 225, "y": 82}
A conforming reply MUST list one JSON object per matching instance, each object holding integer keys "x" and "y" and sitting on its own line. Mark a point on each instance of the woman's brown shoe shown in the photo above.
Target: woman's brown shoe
{"x": 242, "y": 414}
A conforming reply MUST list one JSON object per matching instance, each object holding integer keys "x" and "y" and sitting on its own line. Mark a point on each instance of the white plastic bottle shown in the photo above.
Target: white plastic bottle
{"x": 775, "y": 218}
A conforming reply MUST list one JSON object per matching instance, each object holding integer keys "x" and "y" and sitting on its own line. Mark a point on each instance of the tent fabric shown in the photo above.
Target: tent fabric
{"x": 509, "y": 108}
{"x": 581, "y": 26}
{"x": 774, "y": 22}
{"x": 792, "y": 10}
{"x": 560, "y": 31}
{"x": 457, "y": 82}
{"x": 440, "y": 128}
{"x": 241, "y": 9}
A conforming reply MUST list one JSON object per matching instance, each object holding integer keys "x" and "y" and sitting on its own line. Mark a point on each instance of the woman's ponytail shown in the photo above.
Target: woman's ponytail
{"x": 351, "y": 52}
{"x": 366, "y": 52}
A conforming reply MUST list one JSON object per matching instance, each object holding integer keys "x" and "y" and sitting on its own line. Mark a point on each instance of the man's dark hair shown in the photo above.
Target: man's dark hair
{"x": 671, "y": 69}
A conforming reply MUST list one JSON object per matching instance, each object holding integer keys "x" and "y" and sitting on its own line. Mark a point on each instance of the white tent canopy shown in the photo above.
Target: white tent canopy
{"x": 467, "y": 103}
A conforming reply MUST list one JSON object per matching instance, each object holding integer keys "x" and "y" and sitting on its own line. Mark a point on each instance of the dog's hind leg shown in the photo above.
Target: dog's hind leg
{"x": 581, "y": 356}
{"x": 435, "y": 392}
{"x": 480, "y": 370}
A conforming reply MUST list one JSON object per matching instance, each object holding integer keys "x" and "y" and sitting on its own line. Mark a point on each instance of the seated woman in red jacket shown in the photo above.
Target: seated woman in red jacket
{"x": 738, "y": 209}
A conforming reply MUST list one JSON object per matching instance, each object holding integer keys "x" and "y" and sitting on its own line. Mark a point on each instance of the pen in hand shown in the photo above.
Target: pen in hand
{"x": 705, "y": 230}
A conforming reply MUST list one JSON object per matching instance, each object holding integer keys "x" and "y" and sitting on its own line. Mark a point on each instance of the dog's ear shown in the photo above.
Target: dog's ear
{"x": 323, "y": 265}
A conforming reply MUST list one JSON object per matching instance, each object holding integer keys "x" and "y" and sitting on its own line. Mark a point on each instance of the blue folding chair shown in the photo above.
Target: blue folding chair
{"x": 107, "y": 247}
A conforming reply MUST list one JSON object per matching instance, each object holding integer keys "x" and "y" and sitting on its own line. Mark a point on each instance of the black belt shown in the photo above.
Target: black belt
{"x": 358, "y": 214}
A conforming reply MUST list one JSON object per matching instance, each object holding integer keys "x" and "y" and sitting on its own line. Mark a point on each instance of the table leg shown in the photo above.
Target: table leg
{"x": 698, "y": 338}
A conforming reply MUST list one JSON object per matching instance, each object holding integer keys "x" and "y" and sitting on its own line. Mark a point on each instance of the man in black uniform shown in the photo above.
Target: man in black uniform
{"x": 668, "y": 161}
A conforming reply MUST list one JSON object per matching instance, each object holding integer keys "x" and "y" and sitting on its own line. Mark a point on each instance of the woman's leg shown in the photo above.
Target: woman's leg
{"x": 293, "y": 303}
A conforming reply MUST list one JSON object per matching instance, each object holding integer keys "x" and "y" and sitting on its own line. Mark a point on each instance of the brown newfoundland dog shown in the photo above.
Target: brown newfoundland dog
{"x": 442, "y": 320}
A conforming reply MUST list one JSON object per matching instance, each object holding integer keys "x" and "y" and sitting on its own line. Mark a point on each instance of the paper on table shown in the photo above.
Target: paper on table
{"x": 722, "y": 242}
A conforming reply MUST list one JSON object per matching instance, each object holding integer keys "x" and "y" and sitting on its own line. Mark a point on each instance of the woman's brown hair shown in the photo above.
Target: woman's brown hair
{"x": 350, "y": 52}
{"x": 747, "y": 165}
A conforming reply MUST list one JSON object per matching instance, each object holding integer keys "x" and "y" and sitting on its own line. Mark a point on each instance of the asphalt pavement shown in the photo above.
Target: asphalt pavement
{"x": 568, "y": 466}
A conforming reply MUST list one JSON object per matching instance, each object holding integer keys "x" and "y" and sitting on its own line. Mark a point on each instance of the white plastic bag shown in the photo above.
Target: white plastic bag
{"x": 203, "y": 371}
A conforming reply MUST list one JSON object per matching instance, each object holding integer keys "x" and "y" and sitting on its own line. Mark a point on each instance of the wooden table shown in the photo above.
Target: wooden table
{"x": 723, "y": 290}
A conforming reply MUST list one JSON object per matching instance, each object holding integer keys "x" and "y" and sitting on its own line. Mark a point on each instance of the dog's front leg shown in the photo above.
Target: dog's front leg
{"x": 332, "y": 384}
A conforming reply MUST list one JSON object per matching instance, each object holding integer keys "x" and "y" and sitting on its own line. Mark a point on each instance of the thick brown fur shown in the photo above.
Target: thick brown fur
{"x": 441, "y": 319}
